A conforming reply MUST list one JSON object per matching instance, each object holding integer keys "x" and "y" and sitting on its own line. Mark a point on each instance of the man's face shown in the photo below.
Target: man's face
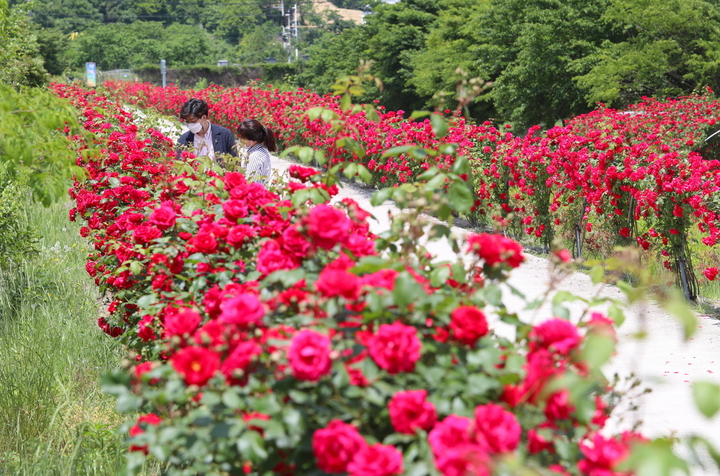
{"x": 193, "y": 119}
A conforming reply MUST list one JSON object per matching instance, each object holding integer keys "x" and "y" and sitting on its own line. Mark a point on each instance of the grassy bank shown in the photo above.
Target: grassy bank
{"x": 54, "y": 419}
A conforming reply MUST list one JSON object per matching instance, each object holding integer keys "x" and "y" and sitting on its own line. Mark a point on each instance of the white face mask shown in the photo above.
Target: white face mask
{"x": 194, "y": 127}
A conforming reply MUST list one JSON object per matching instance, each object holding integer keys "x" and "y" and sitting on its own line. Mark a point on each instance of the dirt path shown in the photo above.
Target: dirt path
{"x": 664, "y": 363}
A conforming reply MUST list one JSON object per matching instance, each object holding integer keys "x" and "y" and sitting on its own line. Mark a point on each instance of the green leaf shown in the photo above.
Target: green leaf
{"x": 597, "y": 273}
{"x": 419, "y": 114}
{"x": 314, "y": 112}
{"x": 128, "y": 403}
{"x": 460, "y": 197}
{"x": 676, "y": 305}
{"x": 252, "y": 446}
{"x": 231, "y": 399}
{"x": 379, "y": 197}
{"x": 597, "y": 349}
{"x": 305, "y": 154}
{"x": 407, "y": 290}
{"x": 439, "y": 125}
{"x": 707, "y": 398}
{"x": 395, "y": 151}
{"x": 364, "y": 174}
{"x": 461, "y": 165}
{"x": 439, "y": 276}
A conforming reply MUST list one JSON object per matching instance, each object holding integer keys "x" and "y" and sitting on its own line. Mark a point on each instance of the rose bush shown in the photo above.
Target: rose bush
{"x": 271, "y": 335}
{"x": 603, "y": 179}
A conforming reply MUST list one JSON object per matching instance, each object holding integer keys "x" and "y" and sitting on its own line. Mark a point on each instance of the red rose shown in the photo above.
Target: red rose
{"x": 360, "y": 245}
{"x": 239, "y": 234}
{"x": 328, "y": 226}
{"x": 385, "y": 278}
{"x": 468, "y": 324}
{"x": 145, "y": 234}
{"x": 212, "y": 334}
{"x": 376, "y": 460}
{"x": 242, "y": 310}
{"x": 235, "y": 209}
{"x": 181, "y": 321}
{"x": 233, "y": 179}
{"x": 204, "y": 242}
{"x": 409, "y": 410}
{"x": 451, "y": 432}
{"x": 537, "y": 442}
{"x": 137, "y": 429}
{"x": 196, "y": 365}
{"x": 395, "y": 347}
{"x": 603, "y": 455}
{"x": 558, "y": 406}
{"x": 555, "y": 334}
{"x": 496, "y": 427}
{"x": 163, "y": 217}
{"x": 271, "y": 258}
{"x": 309, "y": 355}
{"x": 711, "y": 273}
{"x": 234, "y": 367}
{"x": 295, "y": 243}
{"x": 335, "y": 446}
{"x": 337, "y": 282}
{"x": 496, "y": 249}
{"x": 463, "y": 460}
{"x": 302, "y": 173}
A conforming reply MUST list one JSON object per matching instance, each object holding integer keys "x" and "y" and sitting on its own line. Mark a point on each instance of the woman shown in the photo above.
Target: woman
{"x": 260, "y": 141}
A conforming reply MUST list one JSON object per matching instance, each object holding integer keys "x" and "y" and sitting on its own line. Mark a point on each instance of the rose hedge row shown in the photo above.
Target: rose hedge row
{"x": 604, "y": 179}
{"x": 267, "y": 338}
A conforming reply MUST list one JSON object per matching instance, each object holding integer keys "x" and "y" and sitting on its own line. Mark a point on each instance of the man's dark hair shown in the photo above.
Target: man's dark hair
{"x": 194, "y": 107}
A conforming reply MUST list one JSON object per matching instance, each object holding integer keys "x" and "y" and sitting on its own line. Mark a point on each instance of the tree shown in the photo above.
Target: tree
{"x": 261, "y": 42}
{"x": 395, "y": 32}
{"x": 334, "y": 56}
{"x": 532, "y": 49}
{"x": 667, "y": 48}
{"x": 449, "y": 46}
{"x": 19, "y": 54}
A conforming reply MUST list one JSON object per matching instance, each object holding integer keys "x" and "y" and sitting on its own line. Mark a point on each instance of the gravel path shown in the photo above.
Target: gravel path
{"x": 662, "y": 360}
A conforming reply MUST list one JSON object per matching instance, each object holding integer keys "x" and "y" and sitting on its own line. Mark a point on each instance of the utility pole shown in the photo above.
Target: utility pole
{"x": 297, "y": 32}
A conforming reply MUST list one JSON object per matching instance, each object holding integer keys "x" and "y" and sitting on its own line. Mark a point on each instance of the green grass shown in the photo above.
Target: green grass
{"x": 54, "y": 419}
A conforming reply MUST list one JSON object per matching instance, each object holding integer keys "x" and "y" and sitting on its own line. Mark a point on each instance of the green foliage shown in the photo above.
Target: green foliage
{"x": 122, "y": 46}
{"x": 395, "y": 33}
{"x": 19, "y": 54}
{"x": 667, "y": 48}
{"x": 259, "y": 43}
{"x": 532, "y": 49}
{"x": 32, "y": 143}
{"x": 17, "y": 241}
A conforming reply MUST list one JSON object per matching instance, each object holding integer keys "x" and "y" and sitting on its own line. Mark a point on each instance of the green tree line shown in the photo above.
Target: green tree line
{"x": 544, "y": 60}
{"x": 119, "y": 34}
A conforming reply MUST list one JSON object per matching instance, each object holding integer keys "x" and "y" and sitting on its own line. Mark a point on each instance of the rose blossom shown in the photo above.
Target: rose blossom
{"x": 196, "y": 365}
{"x": 181, "y": 321}
{"x": 243, "y": 310}
{"x": 235, "y": 209}
{"x": 464, "y": 460}
{"x": 295, "y": 242}
{"x": 328, "y": 226}
{"x": 309, "y": 355}
{"x": 335, "y": 446}
{"x": 239, "y": 234}
{"x": 163, "y": 217}
{"x": 336, "y": 282}
{"x": 204, "y": 242}
{"x": 496, "y": 249}
{"x": 376, "y": 460}
{"x": 451, "y": 432}
{"x": 496, "y": 427}
{"x": 145, "y": 234}
{"x": 409, "y": 410}
{"x": 271, "y": 258}
{"x": 556, "y": 334}
{"x": 395, "y": 347}
{"x": 239, "y": 360}
{"x": 711, "y": 273}
{"x": 468, "y": 324}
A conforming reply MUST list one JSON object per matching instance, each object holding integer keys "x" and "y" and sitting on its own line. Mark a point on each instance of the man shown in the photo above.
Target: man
{"x": 206, "y": 139}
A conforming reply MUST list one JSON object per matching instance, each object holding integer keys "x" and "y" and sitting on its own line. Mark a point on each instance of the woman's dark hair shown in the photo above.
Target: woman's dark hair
{"x": 253, "y": 130}
{"x": 194, "y": 107}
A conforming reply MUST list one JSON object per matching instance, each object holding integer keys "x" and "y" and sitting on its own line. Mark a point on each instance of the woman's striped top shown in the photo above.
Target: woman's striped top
{"x": 258, "y": 168}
